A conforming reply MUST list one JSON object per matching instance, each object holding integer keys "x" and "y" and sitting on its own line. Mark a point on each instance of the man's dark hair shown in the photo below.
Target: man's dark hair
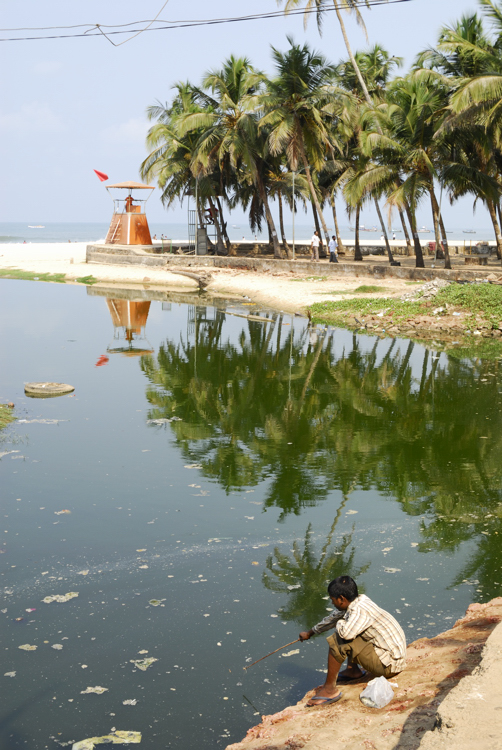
{"x": 343, "y": 586}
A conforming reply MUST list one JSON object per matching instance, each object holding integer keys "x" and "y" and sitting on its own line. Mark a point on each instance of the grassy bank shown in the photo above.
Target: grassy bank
{"x": 6, "y": 416}
{"x": 467, "y": 312}
{"x": 17, "y": 273}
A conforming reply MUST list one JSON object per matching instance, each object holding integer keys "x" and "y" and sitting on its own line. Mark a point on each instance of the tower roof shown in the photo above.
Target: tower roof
{"x": 130, "y": 185}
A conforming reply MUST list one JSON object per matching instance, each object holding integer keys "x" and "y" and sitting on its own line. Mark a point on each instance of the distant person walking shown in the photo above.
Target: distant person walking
{"x": 333, "y": 250}
{"x": 314, "y": 246}
{"x": 393, "y": 235}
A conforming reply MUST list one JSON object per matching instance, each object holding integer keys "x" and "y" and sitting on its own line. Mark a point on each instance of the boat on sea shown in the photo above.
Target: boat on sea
{"x": 368, "y": 229}
{"x": 423, "y": 229}
{"x": 36, "y": 226}
{"x": 469, "y": 231}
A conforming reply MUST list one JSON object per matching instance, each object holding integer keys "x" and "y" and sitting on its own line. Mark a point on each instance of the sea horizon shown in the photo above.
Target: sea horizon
{"x": 61, "y": 232}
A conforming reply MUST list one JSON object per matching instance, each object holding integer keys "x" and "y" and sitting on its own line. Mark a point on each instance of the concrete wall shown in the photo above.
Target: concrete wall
{"x": 100, "y": 254}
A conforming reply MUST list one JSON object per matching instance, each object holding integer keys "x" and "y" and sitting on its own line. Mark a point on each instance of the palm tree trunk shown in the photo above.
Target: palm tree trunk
{"x": 351, "y": 56}
{"x": 357, "y": 251}
{"x": 405, "y": 230}
{"x": 436, "y": 216}
{"x": 223, "y": 225}
{"x": 281, "y": 225}
{"x": 496, "y": 226}
{"x": 270, "y": 221}
{"x": 335, "y": 219}
{"x": 301, "y": 148}
{"x": 382, "y": 224}
{"x": 318, "y": 229}
{"x": 445, "y": 242}
{"x": 220, "y": 247}
{"x": 419, "y": 257}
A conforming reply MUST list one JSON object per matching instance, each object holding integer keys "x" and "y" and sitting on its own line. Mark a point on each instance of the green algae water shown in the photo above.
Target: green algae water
{"x": 206, "y": 479}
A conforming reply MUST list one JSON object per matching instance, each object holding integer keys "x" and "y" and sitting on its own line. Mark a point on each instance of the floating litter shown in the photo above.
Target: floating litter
{"x": 9, "y": 674}
{"x": 292, "y": 653}
{"x": 47, "y": 390}
{"x": 98, "y": 690}
{"x": 143, "y": 664}
{"x": 60, "y": 598}
{"x": 27, "y": 647}
{"x": 114, "y": 738}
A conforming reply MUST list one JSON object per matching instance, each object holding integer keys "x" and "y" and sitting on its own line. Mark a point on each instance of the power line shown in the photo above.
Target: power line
{"x": 95, "y": 29}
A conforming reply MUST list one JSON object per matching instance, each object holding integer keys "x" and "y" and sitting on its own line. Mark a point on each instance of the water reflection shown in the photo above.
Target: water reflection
{"x": 284, "y": 406}
{"x": 129, "y": 321}
{"x": 303, "y": 575}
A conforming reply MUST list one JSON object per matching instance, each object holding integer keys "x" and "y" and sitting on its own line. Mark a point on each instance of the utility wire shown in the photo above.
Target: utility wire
{"x": 96, "y": 29}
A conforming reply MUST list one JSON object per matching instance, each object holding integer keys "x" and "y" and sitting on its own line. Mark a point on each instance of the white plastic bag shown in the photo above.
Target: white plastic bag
{"x": 377, "y": 693}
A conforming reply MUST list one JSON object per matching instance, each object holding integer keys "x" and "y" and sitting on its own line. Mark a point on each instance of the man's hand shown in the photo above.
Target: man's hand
{"x": 305, "y": 635}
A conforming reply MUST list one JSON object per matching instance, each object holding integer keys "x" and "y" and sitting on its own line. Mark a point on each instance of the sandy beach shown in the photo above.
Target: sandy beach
{"x": 282, "y": 291}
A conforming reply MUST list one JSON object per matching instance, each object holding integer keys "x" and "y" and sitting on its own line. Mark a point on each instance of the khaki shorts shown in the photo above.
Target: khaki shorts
{"x": 359, "y": 651}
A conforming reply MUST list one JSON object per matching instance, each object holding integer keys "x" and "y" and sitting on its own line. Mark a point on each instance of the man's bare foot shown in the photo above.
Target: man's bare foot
{"x": 324, "y": 695}
{"x": 350, "y": 674}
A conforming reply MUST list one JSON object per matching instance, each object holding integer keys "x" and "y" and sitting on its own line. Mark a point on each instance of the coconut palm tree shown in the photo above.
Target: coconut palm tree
{"x": 230, "y": 138}
{"x": 297, "y": 107}
{"x": 350, "y": 6}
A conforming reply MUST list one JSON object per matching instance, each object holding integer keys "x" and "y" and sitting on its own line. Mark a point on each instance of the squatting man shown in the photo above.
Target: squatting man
{"x": 366, "y": 635}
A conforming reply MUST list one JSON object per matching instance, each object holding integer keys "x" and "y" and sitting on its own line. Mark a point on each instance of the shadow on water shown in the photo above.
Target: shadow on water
{"x": 289, "y": 407}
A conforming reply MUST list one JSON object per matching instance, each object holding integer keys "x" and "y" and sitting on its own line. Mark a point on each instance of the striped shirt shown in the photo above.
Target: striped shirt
{"x": 379, "y": 628}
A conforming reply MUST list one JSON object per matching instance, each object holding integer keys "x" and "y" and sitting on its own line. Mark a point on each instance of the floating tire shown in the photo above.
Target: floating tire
{"x": 47, "y": 390}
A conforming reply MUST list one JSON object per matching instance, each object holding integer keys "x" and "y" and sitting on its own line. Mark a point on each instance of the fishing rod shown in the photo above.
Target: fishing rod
{"x": 272, "y": 652}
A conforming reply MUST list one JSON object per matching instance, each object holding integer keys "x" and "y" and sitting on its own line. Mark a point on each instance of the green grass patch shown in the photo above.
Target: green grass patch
{"x": 17, "y": 273}
{"x": 485, "y": 299}
{"x": 87, "y": 280}
{"x": 312, "y": 278}
{"x": 368, "y": 289}
{"x": 6, "y": 416}
{"x": 337, "y": 312}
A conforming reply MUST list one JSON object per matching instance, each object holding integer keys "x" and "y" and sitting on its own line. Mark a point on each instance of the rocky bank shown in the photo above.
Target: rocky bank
{"x": 449, "y": 696}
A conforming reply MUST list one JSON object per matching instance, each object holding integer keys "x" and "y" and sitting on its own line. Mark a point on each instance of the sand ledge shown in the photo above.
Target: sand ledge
{"x": 448, "y": 699}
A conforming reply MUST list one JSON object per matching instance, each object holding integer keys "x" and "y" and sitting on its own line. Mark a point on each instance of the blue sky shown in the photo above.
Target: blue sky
{"x": 71, "y": 105}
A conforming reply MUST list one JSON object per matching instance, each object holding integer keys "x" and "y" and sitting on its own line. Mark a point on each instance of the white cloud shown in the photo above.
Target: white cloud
{"x": 31, "y": 118}
{"x": 126, "y": 133}
{"x": 46, "y": 67}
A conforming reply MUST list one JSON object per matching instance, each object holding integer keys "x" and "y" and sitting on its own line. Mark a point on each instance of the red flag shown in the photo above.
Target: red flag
{"x": 102, "y": 176}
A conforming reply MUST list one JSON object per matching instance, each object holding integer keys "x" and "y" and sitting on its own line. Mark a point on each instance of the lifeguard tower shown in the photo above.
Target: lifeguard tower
{"x": 129, "y": 225}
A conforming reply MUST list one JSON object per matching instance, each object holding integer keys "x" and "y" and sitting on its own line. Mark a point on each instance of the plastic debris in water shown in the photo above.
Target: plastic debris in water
{"x": 351, "y": 512}
{"x": 143, "y": 664}
{"x": 61, "y": 512}
{"x": 392, "y": 570}
{"x": 57, "y": 646}
{"x": 156, "y": 602}
{"x": 60, "y": 598}
{"x": 9, "y": 674}
{"x": 31, "y": 609}
{"x": 27, "y": 647}
{"x": 130, "y": 702}
{"x": 98, "y": 690}
{"x": 193, "y": 466}
{"x": 83, "y": 572}
{"x": 292, "y": 653}
{"x": 298, "y": 586}
{"x": 114, "y": 738}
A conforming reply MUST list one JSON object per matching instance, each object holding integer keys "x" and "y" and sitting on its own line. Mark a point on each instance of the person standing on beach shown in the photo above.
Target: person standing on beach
{"x": 366, "y": 635}
{"x": 314, "y": 246}
{"x": 333, "y": 250}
